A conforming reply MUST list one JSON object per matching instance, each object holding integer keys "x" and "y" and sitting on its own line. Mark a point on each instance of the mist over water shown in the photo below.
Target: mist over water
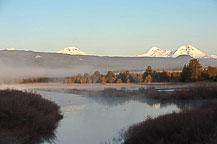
{"x": 18, "y": 73}
{"x": 24, "y": 64}
{"x": 95, "y": 121}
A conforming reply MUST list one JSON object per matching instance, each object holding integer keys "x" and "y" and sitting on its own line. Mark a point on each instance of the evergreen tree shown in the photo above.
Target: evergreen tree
{"x": 164, "y": 76}
{"x": 191, "y": 72}
{"x": 147, "y": 72}
{"x": 96, "y": 77}
{"x": 124, "y": 76}
{"x": 139, "y": 78}
{"x": 148, "y": 79}
{"x": 110, "y": 77}
{"x": 103, "y": 80}
{"x": 78, "y": 79}
{"x": 212, "y": 72}
{"x": 132, "y": 77}
{"x": 185, "y": 74}
{"x": 86, "y": 78}
{"x": 204, "y": 74}
{"x": 195, "y": 69}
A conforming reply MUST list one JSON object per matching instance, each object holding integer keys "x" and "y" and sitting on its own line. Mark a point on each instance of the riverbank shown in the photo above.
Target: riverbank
{"x": 111, "y": 102}
{"x": 195, "y": 126}
{"x": 187, "y": 92}
{"x": 97, "y": 86}
{"x": 26, "y": 117}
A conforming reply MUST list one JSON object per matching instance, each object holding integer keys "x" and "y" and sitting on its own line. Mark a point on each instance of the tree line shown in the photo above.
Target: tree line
{"x": 190, "y": 73}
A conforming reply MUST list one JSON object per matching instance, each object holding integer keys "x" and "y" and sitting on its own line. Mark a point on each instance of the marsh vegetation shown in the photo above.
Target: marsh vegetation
{"x": 26, "y": 117}
{"x": 195, "y": 126}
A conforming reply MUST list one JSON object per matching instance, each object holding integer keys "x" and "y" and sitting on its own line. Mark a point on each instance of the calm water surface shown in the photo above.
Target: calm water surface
{"x": 94, "y": 120}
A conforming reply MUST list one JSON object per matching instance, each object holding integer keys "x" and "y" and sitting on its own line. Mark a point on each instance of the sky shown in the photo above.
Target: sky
{"x": 108, "y": 27}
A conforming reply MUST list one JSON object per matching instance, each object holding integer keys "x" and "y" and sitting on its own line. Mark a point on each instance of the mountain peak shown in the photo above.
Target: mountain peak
{"x": 188, "y": 50}
{"x": 72, "y": 51}
{"x": 155, "y": 52}
{"x": 8, "y": 49}
{"x": 155, "y": 49}
{"x": 183, "y": 50}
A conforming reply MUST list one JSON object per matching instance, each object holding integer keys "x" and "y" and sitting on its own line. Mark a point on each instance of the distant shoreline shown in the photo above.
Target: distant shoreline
{"x": 120, "y": 84}
{"x": 111, "y": 84}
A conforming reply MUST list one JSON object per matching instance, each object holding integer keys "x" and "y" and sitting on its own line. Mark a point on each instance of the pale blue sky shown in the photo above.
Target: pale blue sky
{"x": 108, "y": 27}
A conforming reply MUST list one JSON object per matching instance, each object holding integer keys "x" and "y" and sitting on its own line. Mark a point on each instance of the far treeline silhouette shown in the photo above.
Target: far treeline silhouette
{"x": 191, "y": 73}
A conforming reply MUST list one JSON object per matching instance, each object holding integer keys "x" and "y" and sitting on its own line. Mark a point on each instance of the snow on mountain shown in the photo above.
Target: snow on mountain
{"x": 38, "y": 57}
{"x": 183, "y": 50}
{"x": 8, "y": 49}
{"x": 212, "y": 56}
{"x": 155, "y": 52}
{"x": 72, "y": 51}
{"x": 188, "y": 50}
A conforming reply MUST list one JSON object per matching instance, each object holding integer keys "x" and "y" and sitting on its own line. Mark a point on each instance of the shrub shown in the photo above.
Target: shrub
{"x": 196, "y": 126}
{"x": 191, "y": 93}
{"x": 27, "y": 117}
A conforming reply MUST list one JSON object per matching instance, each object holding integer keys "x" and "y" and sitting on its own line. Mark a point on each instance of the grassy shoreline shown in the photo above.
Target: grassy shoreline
{"x": 115, "y": 84}
{"x": 192, "y": 92}
{"x": 110, "y": 84}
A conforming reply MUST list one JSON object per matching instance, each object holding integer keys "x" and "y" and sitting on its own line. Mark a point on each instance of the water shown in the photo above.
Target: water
{"x": 99, "y": 119}
{"x": 95, "y": 120}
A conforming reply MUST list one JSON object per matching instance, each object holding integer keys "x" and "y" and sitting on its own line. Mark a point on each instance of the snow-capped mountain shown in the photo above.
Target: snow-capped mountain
{"x": 183, "y": 50}
{"x": 212, "y": 56}
{"x": 8, "y": 49}
{"x": 188, "y": 50}
{"x": 72, "y": 51}
{"x": 156, "y": 52}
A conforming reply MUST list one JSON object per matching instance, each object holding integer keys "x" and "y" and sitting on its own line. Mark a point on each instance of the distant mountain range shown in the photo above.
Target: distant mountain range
{"x": 8, "y": 49}
{"x": 16, "y": 64}
{"x": 187, "y": 50}
{"x": 183, "y": 50}
{"x": 154, "y": 52}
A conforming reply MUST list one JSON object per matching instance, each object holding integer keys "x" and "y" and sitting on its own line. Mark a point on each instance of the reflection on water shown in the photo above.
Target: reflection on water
{"x": 45, "y": 138}
{"x": 96, "y": 120}
{"x": 156, "y": 106}
{"x": 73, "y": 108}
